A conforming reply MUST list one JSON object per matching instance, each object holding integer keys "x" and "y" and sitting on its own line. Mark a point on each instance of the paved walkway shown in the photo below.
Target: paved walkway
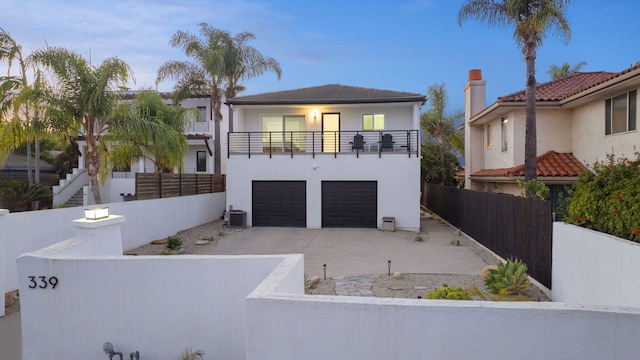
{"x": 347, "y": 254}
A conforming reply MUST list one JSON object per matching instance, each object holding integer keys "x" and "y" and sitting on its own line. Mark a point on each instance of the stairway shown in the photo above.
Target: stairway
{"x": 75, "y": 200}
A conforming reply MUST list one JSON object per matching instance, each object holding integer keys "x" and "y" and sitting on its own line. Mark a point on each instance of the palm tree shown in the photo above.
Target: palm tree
{"x": 556, "y": 72}
{"x": 532, "y": 20}
{"x": 441, "y": 136}
{"x": 146, "y": 128}
{"x": 22, "y": 103}
{"x": 245, "y": 62}
{"x": 86, "y": 98}
{"x": 205, "y": 75}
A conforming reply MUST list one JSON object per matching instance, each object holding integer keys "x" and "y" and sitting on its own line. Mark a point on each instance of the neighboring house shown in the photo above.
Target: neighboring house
{"x": 198, "y": 159}
{"x": 580, "y": 119}
{"x": 326, "y": 156}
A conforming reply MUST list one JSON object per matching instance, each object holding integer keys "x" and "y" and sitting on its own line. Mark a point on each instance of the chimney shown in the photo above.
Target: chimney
{"x": 474, "y": 102}
{"x": 474, "y": 94}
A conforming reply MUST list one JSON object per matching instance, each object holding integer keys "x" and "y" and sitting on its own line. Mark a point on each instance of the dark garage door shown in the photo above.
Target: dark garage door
{"x": 350, "y": 204}
{"x": 279, "y": 203}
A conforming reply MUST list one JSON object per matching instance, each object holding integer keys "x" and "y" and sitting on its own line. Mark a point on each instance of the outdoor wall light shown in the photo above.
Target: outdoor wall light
{"x": 96, "y": 213}
{"x": 314, "y": 115}
{"x": 505, "y": 120}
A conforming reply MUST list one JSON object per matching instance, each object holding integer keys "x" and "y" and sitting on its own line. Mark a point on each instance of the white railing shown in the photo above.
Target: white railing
{"x": 69, "y": 186}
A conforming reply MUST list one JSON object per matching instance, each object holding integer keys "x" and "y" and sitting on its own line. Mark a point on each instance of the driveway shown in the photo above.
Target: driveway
{"x": 360, "y": 251}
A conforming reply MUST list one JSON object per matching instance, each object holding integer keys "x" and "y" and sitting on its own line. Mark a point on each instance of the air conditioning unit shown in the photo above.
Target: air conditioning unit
{"x": 237, "y": 219}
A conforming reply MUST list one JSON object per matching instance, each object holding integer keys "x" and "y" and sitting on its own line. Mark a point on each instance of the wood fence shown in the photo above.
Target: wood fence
{"x": 154, "y": 186}
{"x": 509, "y": 226}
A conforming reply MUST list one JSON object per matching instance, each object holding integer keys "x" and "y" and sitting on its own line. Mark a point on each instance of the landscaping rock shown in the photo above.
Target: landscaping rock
{"x": 159, "y": 242}
{"x": 485, "y": 271}
{"x": 418, "y": 238}
{"x": 202, "y": 242}
{"x": 397, "y": 275}
{"x": 314, "y": 281}
{"x": 182, "y": 251}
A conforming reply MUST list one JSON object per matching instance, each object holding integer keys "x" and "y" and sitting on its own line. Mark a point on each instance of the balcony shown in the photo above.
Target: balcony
{"x": 312, "y": 143}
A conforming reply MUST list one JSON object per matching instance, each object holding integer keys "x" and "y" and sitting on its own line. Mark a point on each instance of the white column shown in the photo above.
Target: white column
{"x": 104, "y": 234}
{"x": 3, "y": 260}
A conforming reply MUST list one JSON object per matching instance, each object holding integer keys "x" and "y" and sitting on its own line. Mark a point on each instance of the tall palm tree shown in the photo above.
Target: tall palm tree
{"x": 86, "y": 98}
{"x": 205, "y": 74}
{"x": 556, "y": 72}
{"x": 531, "y": 20}
{"x": 245, "y": 62}
{"x": 22, "y": 103}
{"x": 146, "y": 128}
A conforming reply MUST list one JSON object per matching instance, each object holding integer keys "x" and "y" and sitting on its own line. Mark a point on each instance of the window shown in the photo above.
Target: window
{"x": 620, "y": 113}
{"x": 203, "y": 113}
{"x": 503, "y": 134}
{"x": 201, "y": 161}
{"x": 283, "y": 131}
{"x": 373, "y": 122}
{"x": 489, "y": 144}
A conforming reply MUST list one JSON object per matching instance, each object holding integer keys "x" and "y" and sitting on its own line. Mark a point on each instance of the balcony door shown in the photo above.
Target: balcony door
{"x": 283, "y": 133}
{"x": 331, "y": 132}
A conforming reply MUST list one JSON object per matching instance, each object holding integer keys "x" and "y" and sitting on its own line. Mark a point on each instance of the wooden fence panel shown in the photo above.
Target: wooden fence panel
{"x": 508, "y": 225}
{"x": 154, "y": 186}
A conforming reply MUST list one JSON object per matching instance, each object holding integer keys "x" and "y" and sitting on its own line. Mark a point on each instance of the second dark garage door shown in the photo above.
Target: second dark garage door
{"x": 350, "y": 204}
{"x": 279, "y": 203}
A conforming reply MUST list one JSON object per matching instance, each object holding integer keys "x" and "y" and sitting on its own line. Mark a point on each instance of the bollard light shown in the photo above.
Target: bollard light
{"x": 96, "y": 213}
{"x": 324, "y": 268}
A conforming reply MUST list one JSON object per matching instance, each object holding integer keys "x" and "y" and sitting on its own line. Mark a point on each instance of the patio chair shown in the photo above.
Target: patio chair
{"x": 357, "y": 143}
{"x": 387, "y": 142}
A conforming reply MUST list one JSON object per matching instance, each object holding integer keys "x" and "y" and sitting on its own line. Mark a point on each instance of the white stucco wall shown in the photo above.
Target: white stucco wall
{"x": 147, "y": 220}
{"x": 590, "y": 267}
{"x": 398, "y": 178}
{"x": 157, "y": 305}
{"x": 590, "y": 143}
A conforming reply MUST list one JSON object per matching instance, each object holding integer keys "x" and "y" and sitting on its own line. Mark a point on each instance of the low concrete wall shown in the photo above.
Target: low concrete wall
{"x": 146, "y": 220}
{"x": 157, "y": 305}
{"x": 590, "y": 267}
{"x": 288, "y": 325}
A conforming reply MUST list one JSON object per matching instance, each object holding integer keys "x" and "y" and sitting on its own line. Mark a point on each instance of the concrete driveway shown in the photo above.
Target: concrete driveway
{"x": 359, "y": 251}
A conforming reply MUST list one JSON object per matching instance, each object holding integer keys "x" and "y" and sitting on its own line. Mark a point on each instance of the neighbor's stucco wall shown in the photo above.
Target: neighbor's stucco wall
{"x": 398, "y": 178}
{"x": 589, "y": 139}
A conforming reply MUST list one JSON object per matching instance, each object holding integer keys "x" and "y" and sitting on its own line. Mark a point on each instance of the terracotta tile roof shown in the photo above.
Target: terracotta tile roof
{"x": 328, "y": 94}
{"x": 550, "y": 164}
{"x": 567, "y": 86}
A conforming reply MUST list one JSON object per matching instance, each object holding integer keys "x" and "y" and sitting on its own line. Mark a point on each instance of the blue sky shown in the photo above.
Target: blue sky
{"x": 393, "y": 44}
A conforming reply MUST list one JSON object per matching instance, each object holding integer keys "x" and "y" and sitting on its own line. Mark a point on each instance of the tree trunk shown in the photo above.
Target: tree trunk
{"x": 530, "y": 146}
{"x": 92, "y": 168}
{"x": 230, "y": 118}
{"x": 217, "y": 118}
{"x": 29, "y": 173}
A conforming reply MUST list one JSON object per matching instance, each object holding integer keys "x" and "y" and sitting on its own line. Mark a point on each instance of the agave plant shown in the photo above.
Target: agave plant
{"x": 509, "y": 279}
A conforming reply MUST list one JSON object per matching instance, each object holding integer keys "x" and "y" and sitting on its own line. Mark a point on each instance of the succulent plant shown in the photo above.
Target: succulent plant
{"x": 449, "y": 293}
{"x": 509, "y": 278}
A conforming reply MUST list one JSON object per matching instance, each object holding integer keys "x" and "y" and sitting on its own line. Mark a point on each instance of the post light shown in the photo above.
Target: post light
{"x": 96, "y": 213}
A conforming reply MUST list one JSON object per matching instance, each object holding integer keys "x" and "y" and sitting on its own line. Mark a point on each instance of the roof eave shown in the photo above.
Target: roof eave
{"x": 326, "y": 102}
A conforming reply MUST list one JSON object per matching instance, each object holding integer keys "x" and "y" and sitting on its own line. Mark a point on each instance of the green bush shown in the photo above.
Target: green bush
{"x": 173, "y": 242}
{"x": 607, "y": 198}
{"x": 509, "y": 279}
{"x": 449, "y": 293}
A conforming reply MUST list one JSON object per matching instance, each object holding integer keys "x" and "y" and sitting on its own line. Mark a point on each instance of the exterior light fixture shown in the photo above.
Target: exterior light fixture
{"x": 505, "y": 120}
{"x": 314, "y": 114}
{"x": 96, "y": 213}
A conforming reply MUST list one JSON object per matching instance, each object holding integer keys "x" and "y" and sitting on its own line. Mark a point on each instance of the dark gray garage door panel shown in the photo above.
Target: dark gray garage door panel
{"x": 350, "y": 204}
{"x": 279, "y": 203}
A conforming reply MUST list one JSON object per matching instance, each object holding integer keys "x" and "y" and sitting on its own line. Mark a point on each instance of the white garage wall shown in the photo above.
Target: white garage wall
{"x": 398, "y": 178}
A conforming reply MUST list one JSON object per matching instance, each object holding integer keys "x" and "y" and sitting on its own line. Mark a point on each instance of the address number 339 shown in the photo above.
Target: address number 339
{"x": 43, "y": 282}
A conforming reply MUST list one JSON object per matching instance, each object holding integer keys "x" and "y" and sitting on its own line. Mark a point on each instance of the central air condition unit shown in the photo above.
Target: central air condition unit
{"x": 237, "y": 219}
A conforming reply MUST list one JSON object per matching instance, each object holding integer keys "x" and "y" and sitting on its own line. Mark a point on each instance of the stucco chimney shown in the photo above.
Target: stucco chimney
{"x": 474, "y": 94}
{"x": 474, "y": 102}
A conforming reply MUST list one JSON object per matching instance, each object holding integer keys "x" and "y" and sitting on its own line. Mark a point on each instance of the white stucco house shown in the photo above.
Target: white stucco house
{"x": 200, "y": 135}
{"x": 580, "y": 119}
{"x": 326, "y": 156}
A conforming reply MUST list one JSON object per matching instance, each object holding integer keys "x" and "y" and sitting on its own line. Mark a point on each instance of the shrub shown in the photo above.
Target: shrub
{"x": 449, "y": 293}
{"x": 509, "y": 279}
{"x": 173, "y": 242}
{"x": 607, "y": 199}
